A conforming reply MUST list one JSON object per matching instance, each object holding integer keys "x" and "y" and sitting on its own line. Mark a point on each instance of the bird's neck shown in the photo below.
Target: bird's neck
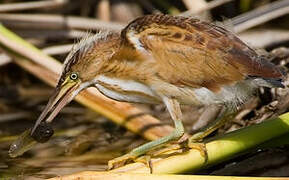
{"x": 125, "y": 63}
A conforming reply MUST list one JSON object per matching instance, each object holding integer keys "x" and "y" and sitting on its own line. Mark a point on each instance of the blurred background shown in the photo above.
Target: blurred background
{"x": 86, "y": 140}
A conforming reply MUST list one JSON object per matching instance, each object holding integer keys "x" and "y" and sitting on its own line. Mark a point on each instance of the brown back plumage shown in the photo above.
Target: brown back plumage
{"x": 194, "y": 53}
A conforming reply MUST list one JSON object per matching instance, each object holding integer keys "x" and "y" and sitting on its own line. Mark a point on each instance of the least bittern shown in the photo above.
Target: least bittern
{"x": 164, "y": 59}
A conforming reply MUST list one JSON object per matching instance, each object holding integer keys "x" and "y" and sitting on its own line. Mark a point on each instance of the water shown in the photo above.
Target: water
{"x": 74, "y": 149}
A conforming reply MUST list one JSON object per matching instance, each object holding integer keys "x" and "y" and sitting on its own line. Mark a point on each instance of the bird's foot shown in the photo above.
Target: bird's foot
{"x": 146, "y": 157}
{"x": 165, "y": 150}
{"x": 178, "y": 148}
{"x": 168, "y": 150}
{"x": 121, "y": 161}
{"x": 194, "y": 142}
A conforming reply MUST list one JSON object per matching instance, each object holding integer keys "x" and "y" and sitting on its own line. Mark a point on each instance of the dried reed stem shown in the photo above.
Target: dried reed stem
{"x": 260, "y": 15}
{"x": 45, "y": 21}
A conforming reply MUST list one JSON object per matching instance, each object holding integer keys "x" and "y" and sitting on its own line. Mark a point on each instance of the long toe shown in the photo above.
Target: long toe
{"x": 120, "y": 161}
{"x": 167, "y": 150}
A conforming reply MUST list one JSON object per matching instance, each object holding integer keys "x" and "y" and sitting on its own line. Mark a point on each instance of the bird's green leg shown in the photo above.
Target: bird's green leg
{"x": 174, "y": 109}
{"x": 195, "y": 140}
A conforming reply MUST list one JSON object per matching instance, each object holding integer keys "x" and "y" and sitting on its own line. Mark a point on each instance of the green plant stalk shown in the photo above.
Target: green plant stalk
{"x": 220, "y": 149}
{"x": 276, "y": 142}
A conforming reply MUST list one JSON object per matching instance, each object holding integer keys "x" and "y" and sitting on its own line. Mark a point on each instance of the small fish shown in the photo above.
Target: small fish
{"x": 26, "y": 141}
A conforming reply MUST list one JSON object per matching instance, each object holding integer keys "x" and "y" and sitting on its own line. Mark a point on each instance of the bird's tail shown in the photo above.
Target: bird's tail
{"x": 269, "y": 82}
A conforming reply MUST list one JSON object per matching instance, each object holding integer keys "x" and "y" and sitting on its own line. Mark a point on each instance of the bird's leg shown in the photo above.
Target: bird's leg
{"x": 174, "y": 109}
{"x": 195, "y": 140}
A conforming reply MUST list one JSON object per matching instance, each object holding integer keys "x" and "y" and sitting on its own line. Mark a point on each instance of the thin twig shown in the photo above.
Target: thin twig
{"x": 59, "y": 49}
{"x": 52, "y": 50}
{"x": 260, "y": 15}
{"x": 14, "y": 116}
{"x": 45, "y": 21}
{"x": 255, "y": 38}
{"x": 210, "y": 5}
{"x": 31, "y": 5}
{"x": 103, "y": 10}
{"x": 58, "y": 34}
{"x": 194, "y": 5}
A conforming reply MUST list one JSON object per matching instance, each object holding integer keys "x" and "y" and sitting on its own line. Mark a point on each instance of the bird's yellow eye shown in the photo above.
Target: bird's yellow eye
{"x": 73, "y": 76}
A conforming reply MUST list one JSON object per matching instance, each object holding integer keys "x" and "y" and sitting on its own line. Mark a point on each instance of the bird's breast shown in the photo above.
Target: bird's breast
{"x": 126, "y": 90}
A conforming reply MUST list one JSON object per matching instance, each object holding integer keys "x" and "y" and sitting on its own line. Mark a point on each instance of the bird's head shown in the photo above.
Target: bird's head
{"x": 81, "y": 67}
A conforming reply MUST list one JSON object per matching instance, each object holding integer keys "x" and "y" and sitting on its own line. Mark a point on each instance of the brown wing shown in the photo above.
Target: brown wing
{"x": 194, "y": 53}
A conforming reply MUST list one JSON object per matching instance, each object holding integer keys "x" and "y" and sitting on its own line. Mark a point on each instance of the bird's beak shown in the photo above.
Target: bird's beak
{"x": 61, "y": 96}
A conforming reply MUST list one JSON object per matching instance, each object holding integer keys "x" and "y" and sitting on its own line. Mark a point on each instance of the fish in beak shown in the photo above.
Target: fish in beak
{"x": 42, "y": 130}
{"x": 61, "y": 96}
